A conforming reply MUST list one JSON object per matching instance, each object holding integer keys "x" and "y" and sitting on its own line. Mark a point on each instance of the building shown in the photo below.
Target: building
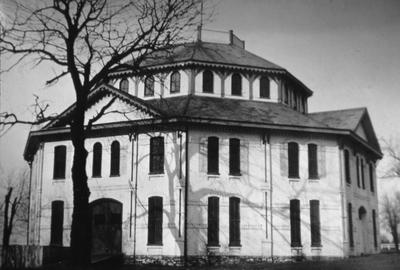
{"x": 211, "y": 151}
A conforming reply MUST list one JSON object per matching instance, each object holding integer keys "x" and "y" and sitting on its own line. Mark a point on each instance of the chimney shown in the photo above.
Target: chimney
{"x": 199, "y": 33}
{"x": 234, "y": 40}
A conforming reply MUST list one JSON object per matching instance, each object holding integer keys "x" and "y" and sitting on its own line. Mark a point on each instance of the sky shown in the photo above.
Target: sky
{"x": 346, "y": 51}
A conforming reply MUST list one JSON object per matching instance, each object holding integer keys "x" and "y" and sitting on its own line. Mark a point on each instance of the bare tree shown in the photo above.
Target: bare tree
{"x": 86, "y": 40}
{"x": 392, "y": 149}
{"x": 391, "y": 216}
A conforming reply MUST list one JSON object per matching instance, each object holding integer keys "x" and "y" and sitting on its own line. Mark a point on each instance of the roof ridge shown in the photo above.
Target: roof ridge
{"x": 341, "y": 110}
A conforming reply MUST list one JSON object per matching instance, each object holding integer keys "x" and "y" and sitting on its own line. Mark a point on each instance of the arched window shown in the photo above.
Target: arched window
{"x": 114, "y": 168}
{"x": 213, "y": 221}
{"x": 236, "y": 84}
{"x": 208, "y": 82}
{"x": 358, "y": 172}
{"x": 312, "y": 161}
{"x": 293, "y": 160}
{"x": 234, "y": 156}
{"x": 362, "y": 174}
{"x": 157, "y": 155}
{"x": 175, "y": 82}
{"x": 371, "y": 178}
{"x": 124, "y": 85}
{"x": 155, "y": 230}
{"x": 57, "y": 222}
{"x": 149, "y": 86}
{"x": 347, "y": 166}
{"x": 213, "y": 155}
{"x": 315, "y": 224}
{"x": 97, "y": 155}
{"x": 234, "y": 221}
{"x": 295, "y": 231}
{"x": 264, "y": 87}
{"x": 60, "y": 154}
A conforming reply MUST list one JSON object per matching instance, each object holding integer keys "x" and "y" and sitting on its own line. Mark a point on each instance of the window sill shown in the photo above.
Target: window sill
{"x": 213, "y": 177}
{"x": 59, "y": 179}
{"x": 156, "y": 176}
{"x": 316, "y": 246}
{"x": 234, "y": 177}
{"x": 235, "y": 174}
{"x": 155, "y": 245}
{"x": 296, "y": 179}
{"x": 115, "y": 175}
{"x": 97, "y": 176}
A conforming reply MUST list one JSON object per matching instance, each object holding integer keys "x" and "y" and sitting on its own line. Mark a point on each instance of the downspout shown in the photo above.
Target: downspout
{"x": 136, "y": 138}
{"x": 185, "y": 253}
{"x": 342, "y": 197}
{"x": 29, "y": 202}
{"x": 40, "y": 191}
{"x": 270, "y": 195}
{"x": 131, "y": 188}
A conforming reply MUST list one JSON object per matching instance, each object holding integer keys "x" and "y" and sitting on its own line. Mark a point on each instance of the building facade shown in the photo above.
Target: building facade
{"x": 210, "y": 151}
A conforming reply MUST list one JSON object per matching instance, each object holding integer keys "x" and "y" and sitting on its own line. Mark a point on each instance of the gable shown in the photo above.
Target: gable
{"x": 360, "y": 131}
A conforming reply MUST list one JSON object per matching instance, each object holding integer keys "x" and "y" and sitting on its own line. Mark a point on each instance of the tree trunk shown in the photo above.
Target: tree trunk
{"x": 6, "y": 229}
{"x": 395, "y": 237}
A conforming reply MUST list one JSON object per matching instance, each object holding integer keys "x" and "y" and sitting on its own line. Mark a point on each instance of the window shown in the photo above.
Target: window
{"x": 295, "y": 234}
{"x": 312, "y": 161}
{"x": 374, "y": 228}
{"x": 60, "y": 153}
{"x": 213, "y": 221}
{"x": 294, "y": 101}
{"x": 157, "y": 155}
{"x": 114, "y": 168}
{"x": 234, "y": 221}
{"x": 371, "y": 178}
{"x": 208, "y": 82}
{"x": 124, "y": 85}
{"x": 264, "y": 87}
{"x": 212, "y": 155}
{"x": 350, "y": 218}
{"x": 175, "y": 82}
{"x": 362, "y": 174}
{"x": 154, "y": 235}
{"x": 293, "y": 158}
{"x": 236, "y": 84}
{"x": 286, "y": 98}
{"x": 347, "y": 166}
{"x": 315, "y": 223}
{"x": 234, "y": 156}
{"x": 358, "y": 171}
{"x": 96, "y": 166}
{"x": 57, "y": 221}
{"x": 149, "y": 86}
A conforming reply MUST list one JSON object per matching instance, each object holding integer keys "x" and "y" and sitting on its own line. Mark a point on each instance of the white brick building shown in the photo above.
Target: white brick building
{"x": 211, "y": 150}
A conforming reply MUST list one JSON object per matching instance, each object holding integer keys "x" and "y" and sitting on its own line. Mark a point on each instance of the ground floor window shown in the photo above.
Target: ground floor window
{"x": 154, "y": 236}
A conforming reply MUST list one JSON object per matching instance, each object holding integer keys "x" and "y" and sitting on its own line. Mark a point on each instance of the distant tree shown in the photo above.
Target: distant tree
{"x": 391, "y": 215}
{"x": 392, "y": 149}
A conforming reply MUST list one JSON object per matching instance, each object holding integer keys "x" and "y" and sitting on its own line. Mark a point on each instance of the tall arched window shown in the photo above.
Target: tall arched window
{"x": 347, "y": 166}
{"x": 57, "y": 222}
{"x": 213, "y": 221}
{"x": 155, "y": 221}
{"x": 60, "y": 154}
{"x": 350, "y": 224}
{"x": 293, "y": 160}
{"x": 234, "y": 156}
{"x": 213, "y": 155}
{"x": 236, "y": 84}
{"x": 234, "y": 221}
{"x": 157, "y": 155}
{"x": 124, "y": 85}
{"x": 97, "y": 156}
{"x": 208, "y": 82}
{"x": 115, "y": 155}
{"x": 175, "y": 86}
{"x": 295, "y": 231}
{"x": 315, "y": 223}
{"x": 371, "y": 177}
{"x": 264, "y": 87}
{"x": 149, "y": 86}
{"x": 312, "y": 161}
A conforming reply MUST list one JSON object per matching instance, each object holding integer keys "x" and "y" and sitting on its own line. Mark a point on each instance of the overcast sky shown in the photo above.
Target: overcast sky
{"x": 346, "y": 51}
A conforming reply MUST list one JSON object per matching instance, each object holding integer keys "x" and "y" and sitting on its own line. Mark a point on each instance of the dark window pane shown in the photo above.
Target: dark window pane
{"x": 115, "y": 155}
{"x": 157, "y": 155}
{"x": 315, "y": 223}
{"x": 115, "y": 218}
{"x": 99, "y": 219}
{"x": 362, "y": 174}
{"x": 371, "y": 178}
{"x": 213, "y": 221}
{"x": 358, "y": 171}
{"x": 293, "y": 156}
{"x": 264, "y": 87}
{"x": 312, "y": 161}
{"x": 60, "y": 154}
{"x": 374, "y": 228}
{"x": 155, "y": 221}
{"x": 97, "y": 154}
{"x": 295, "y": 233}
{"x": 236, "y": 84}
{"x": 347, "y": 166}
{"x": 149, "y": 86}
{"x": 234, "y": 156}
{"x": 208, "y": 82}
{"x": 234, "y": 221}
{"x": 212, "y": 155}
{"x": 124, "y": 85}
{"x": 350, "y": 219}
{"x": 175, "y": 82}
{"x": 57, "y": 221}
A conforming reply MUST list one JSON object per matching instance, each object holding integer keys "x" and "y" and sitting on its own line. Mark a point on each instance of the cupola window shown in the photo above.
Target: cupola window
{"x": 175, "y": 86}
{"x": 149, "y": 86}
{"x": 124, "y": 85}
{"x": 208, "y": 82}
{"x": 264, "y": 87}
{"x": 236, "y": 84}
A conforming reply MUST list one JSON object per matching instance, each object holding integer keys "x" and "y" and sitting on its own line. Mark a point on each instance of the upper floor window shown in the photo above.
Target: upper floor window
{"x": 115, "y": 155}
{"x": 208, "y": 82}
{"x": 155, "y": 222}
{"x": 293, "y": 158}
{"x": 60, "y": 154}
{"x": 286, "y": 96}
{"x": 96, "y": 166}
{"x": 57, "y": 222}
{"x": 175, "y": 82}
{"x": 157, "y": 155}
{"x": 234, "y": 221}
{"x": 149, "y": 86}
{"x": 358, "y": 171}
{"x": 294, "y": 101}
{"x": 347, "y": 166}
{"x": 234, "y": 156}
{"x": 371, "y": 177}
{"x": 213, "y": 221}
{"x": 213, "y": 155}
{"x": 124, "y": 85}
{"x": 315, "y": 223}
{"x": 312, "y": 161}
{"x": 264, "y": 87}
{"x": 362, "y": 174}
{"x": 236, "y": 84}
{"x": 295, "y": 231}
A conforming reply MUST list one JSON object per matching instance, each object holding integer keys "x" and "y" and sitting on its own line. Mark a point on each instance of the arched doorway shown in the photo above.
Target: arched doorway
{"x": 362, "y": 215}
{"x": 106, "y": 217}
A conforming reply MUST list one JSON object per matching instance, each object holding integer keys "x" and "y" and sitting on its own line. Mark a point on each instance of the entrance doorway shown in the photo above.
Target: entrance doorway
{"x": 106, "y": 227}
{"x": 362, "y": 214}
